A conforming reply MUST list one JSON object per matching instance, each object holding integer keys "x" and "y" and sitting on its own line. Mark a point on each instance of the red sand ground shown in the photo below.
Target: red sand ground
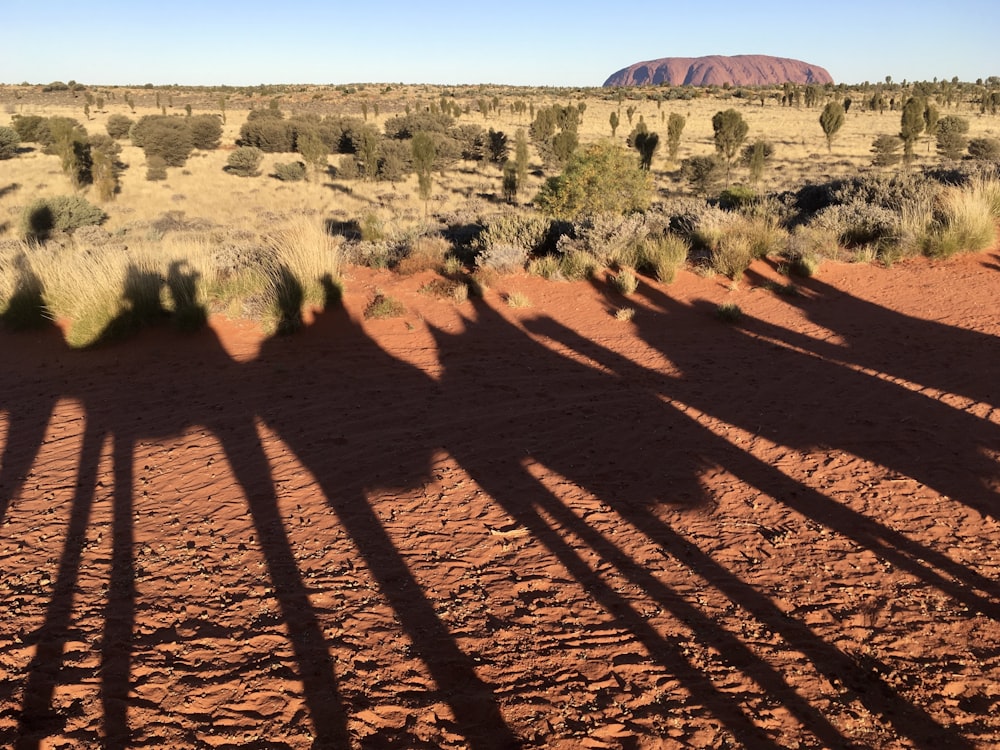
{"x": 485, "y": 527}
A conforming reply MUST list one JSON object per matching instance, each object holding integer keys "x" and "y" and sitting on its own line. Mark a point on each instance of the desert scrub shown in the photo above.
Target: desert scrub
{"x": 577, "y": 265}
{"x": 732, "y": 255}
{"x": 63, "y": 213}
{"x": 625, "y": 282}
{"x": 964, "y": 222}
{"x": 384, "y": 306}
{"x": 306, "y": 266}
{"x": 610, "y": 238}
{"x": 625, "y": 314}
{"x": 517, "y": 299}
{"x": 729, "y": 312}
{"x": 245, "y": 161}
{"x": 423, "y": 253}
{"x": 662, "y": 256}
{"x": 525, "y": 231}
{"x": 291, "y": 172}
{"x": 448, "y": 289}
{"x": 504, "y": 259}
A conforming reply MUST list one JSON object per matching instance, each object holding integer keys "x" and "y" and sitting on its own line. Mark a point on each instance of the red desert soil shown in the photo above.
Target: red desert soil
{"x": 477, "y": 526}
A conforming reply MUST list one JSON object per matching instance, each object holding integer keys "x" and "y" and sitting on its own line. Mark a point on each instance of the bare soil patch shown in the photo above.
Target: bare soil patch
{"x": 484, "y": 526}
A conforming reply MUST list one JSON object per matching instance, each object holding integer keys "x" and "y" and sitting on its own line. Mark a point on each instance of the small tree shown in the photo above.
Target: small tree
{"x": 9, "y": 142}
{"x": 832, "y": 120}
{"x": 600, "y": 177}
{"x": 755, "y": 157}
{"x": 614, "y": 123}
{"x": 510, "y": 184}
{"x": 646, "y": 144}
{"x": 206, "y": 132}
{"x": 911, "y": 125}
{"x": 424, "y": 153}
{"x": 703, "y": 173}
{"x": 931, "y": 120}
{"x": 521, "y": 157}
{"x": 951, "y": 136}
{"x": 105, "y": 167}
{"x": 886, "y": 149}
{"x": 985, "y": 149}
{"x": 245, "y": 161}
{"x": 730, "y": 133}
{"x": 675, "y": 126}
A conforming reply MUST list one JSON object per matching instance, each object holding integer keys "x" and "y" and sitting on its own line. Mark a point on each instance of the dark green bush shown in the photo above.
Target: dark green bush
{"x": 206, "y": 131}
{"x": 245, "y": 161}
{"x": 9, "y": 141}
{"x": 166, "y": 137}
{"x": 985, "y": 149}
{"x": 118, "y": 126}
{"x": 30, "y": 128}
{"x": 292, "y": 172}
{"x": 269, "y": 134}
{"x": 63, "y": 213}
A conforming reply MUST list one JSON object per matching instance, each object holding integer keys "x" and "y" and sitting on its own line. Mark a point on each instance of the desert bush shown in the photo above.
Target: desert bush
{"x": 625, "y": 281}
{"x": 520, "y": 230}
{"x": 206, "y": 131}
{"x": 424, "y": 253}
{"x": 30, "y": 128}
{"x": 951, "y": 136}
{"x": 732, "y": 255}
{"x": 292, "y": 172}
{"x": 118, "y": 126}
{"x": 105, "y": 167}
{"x": 63, "y": 213}
{"x": 985, "y": 149}
{"x": 577, "y": 265}
{"x": 703, "y": 173}
{"x": 517, "y": 299}
{"x": 602, "y": 177}
{"x": 887, "y": 150}
{"x": 729, "y": 312}
{"x": 859, "y": 222}
{"x": 503, "y": 258}
{"x": 347, "y": 167}
{"x": 166, "y": 137}
{"x": 270, "y": 134}
{"x": 546, "y": 266}
{"x": 610, "y": 238}
{"x": 661, "y": 256}
{"x": 965, "y": 222}
{"x": 9, "y": 142}
{"x": 384, "y": 306}
{"x": 245, "y": 161}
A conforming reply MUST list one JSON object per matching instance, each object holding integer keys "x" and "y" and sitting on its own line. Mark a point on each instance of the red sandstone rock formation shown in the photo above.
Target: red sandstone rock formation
{"x": 716, "y": 70}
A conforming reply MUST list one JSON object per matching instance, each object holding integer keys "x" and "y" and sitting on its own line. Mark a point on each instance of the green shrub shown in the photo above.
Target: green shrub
{"x": 577, "y": 265}
{"x": 985, "y": 149}
{"x": 625, "y": 282}
{"x": 167, "y": 137}
{"x": 661, "y": 257}
{"x": 206, "y": 131}
{"x": 601, "y": 177}
{"x": 30, "y": 128}
{"x": 292, "y": 172}
{"x": 245, "y": 161}
{"x": 611, "y": 238}
{"x": 384, "y": 306}
{"x": 732, "y": 255}
{"x": 503, "y": 258}
{"x": 9, "y": 142}
{"x": 63, "y": 213}
{"x": 966, "y": 223}
{"x": 118, "y": 126}
{"x": 269, "y": 134}
{"x": 525, "y": 231}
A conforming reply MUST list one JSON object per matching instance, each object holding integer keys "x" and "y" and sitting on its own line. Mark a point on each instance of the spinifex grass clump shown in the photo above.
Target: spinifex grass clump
{"x": 384, "y": 306}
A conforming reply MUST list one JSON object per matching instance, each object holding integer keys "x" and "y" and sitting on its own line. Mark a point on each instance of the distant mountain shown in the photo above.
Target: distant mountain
{"x": 717, "y": 70}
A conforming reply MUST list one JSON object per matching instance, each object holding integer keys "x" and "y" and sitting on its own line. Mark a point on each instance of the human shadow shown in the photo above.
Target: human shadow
{"x": 132, "y": 401}
{"x": 29, "y": 397}
{"x": 926, "y": 353}
{"x": 633, "y": 451}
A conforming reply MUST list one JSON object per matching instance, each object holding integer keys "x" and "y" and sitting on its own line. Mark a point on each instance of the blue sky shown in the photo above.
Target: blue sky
{"x": 515, "y": 42}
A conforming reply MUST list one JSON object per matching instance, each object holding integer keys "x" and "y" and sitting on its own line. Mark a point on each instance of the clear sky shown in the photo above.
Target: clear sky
{"x": 209, "y": 42}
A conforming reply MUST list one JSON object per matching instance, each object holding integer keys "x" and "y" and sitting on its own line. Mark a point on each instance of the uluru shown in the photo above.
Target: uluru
{"x": 718, "y": 70}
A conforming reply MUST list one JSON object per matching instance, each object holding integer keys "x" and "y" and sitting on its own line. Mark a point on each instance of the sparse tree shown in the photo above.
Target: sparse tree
{"x": 313, "y": 151}
{"x": 755, "y": 157}
{"x": 521, "y": 157}
{"x": 911, "y": 125}
{"x": 931, "y": 120}
{"x": 614, "y": 123}
{"x": 730, "y": 133}
{"x": 630, "y": 113}
{"x": 831, "y": 120}
{"x": 105, "y": 166}
{"x": 424, "y": 154}
{"x": 675, "y": 126}
{"x": 510, "y": 182}
{"x": 646, "y": 144}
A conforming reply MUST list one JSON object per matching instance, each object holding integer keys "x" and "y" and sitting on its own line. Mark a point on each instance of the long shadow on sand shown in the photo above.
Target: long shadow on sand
{"x": 499, "y": 407}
